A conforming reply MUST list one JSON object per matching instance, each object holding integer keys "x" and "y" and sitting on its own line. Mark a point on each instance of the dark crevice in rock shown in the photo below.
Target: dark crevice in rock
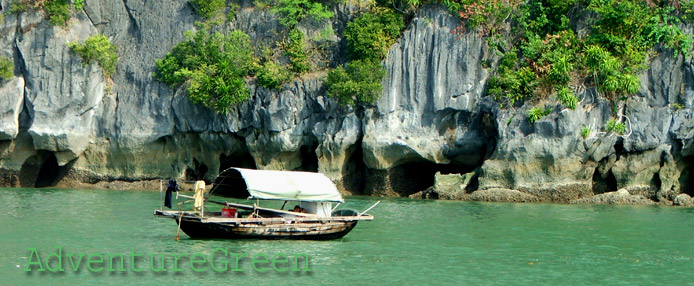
{"x": 198, "y": 171}
{"x": 88, "y": 16}
{"x": 677, "y": 146}
{"x": 686, "y": 178}
{"x": 309, "y": 159}
{"x": 603, "y": 184}
{"x": 116, "y": 103}
{"x": 619, "y": 147}
{"x": 656, "y": 183}
{"x": 490, "y": 131}
{"x": 353, "y": 172}
{"x": 26, "y": 115}
{"x": 134, "y": 28}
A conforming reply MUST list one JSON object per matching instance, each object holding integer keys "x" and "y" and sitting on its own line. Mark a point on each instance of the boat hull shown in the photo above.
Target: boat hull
{"x": 226, "y": 228}
{"x": 311, "y": 231}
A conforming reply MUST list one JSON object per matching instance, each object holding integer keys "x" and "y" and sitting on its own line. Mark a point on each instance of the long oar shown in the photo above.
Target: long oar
{"x": 180, "y": 216}
{"x": 374, "y": 205}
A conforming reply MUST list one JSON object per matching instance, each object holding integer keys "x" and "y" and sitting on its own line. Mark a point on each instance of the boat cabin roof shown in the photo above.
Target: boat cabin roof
{"x": 243, "y": 183}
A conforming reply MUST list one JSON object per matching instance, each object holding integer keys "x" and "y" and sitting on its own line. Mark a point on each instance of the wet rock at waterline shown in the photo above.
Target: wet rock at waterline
{"x": 683, "y": 200}
{"x": 621, "y": 197}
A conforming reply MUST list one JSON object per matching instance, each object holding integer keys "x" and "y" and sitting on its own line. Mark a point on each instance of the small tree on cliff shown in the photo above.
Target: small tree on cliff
{"x": 6, "y": 68}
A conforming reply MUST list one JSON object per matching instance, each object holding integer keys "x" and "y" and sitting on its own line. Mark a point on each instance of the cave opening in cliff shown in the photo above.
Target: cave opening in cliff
{"x": 686, "y": 178}
{"x": 656, "y": 183}
{"x": 619, "y": 148}
{"x": 48, "y": 173}
{"x": 309, "y": 159}
{"x": 354, "y": 170}
{"x": 41, "y": 170}
{"x": 412, "y": 177}
{"x": 603, "y": 185}
{"x": 237, "y": 159}
{"x": 198, "y": 172}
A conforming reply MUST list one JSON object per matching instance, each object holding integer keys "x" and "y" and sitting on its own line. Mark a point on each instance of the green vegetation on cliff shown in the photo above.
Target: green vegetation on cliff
{"x": 201, "y": 63}
{"x": 296, "y": 51}
{"x": 369, "y": 37}
{"x": 213, "y": 66}
{"x": 6, "y": 68}
{"x": 58, "y": 11}
{"x": 292, "y": 11}
{"x": 536, "y": 113}
{"x": 272, "y": 74}
{"x": 209, "y": 9}
{"x": 617, "y": 40}
{"x": 546, "y": 47}
{"x": 567, "y": 97}
{"x": 585, "y": 132}
{"x": 97, "y": 49}
{"x": 615, "y": 127}
{"x": 359, "y": 81}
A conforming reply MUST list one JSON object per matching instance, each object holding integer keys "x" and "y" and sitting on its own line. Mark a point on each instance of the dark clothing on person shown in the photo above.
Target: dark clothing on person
{"x": 170, "y": 188}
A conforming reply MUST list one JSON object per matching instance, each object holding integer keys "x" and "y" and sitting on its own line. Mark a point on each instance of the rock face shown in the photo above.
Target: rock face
{"x": 683, "y": 200}
{"x": 63, "y": 123}
{"x": 11, "y": 104}
{"x": 449, "y": 187}
{"x": 431, "y": 112}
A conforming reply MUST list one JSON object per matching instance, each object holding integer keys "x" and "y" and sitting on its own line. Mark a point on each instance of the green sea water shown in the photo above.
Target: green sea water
{"x": 411, "y": 242}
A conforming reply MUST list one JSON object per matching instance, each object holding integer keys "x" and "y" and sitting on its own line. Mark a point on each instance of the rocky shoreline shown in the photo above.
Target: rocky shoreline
{"x": 453, "y": 187}
{"x": 61, "y": 126}
{"x": 446, "y": 187}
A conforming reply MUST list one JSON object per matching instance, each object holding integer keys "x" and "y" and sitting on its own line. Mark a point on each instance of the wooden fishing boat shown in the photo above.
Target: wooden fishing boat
{"x": 312, "y": 218}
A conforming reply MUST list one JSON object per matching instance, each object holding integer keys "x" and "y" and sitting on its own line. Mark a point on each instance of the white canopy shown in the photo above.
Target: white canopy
{"x": 275, "y": 185}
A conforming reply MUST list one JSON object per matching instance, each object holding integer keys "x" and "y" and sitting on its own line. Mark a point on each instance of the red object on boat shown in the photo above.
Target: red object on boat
{"x": 228, "y": 212}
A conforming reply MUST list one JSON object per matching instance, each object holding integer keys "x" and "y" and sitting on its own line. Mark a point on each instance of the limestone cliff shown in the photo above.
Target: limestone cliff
{"x": 63, "y": 124}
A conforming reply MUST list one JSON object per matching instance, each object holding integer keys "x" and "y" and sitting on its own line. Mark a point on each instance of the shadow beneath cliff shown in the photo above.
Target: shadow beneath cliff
{"x": 354, "y": 170}
{"x": 48, "y": 172}
{"x": 236, "y": 159}
{"x": 409, "y": 178}
{"x": 309, "y": 159}
{"x": 604, "y": 183}
{"x": 198, "y": 171}
{"x": 42, "y": 170}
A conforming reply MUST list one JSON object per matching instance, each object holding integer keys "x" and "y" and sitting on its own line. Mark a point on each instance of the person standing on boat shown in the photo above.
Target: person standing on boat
{"x": 198, "y": 197}
{"x": 171, "y": 187}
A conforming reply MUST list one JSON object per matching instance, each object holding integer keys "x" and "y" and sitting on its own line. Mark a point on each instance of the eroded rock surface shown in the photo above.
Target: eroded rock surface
{"x": 63, "y": 122}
